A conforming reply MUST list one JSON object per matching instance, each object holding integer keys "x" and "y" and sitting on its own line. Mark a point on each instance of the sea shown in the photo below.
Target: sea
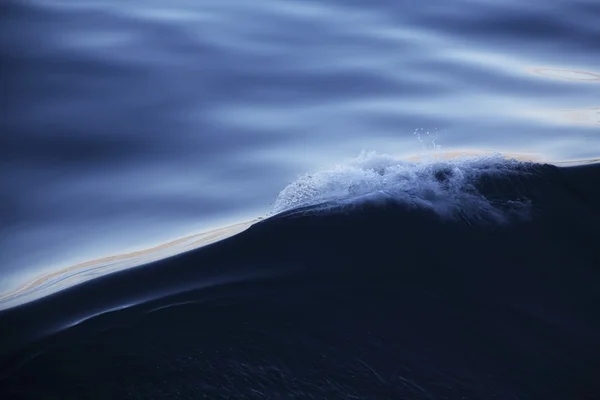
{"x": 300, "y": 199}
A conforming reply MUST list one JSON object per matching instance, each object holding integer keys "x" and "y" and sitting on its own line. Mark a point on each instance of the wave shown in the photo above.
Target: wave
{"x": 366, "y": 283}
{"x": 460, "y": 188}
{"x": 473, "y": 189}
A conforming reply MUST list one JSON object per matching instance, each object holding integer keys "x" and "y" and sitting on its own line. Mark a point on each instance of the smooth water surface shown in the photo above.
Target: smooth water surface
{"x": 126, "y": 124}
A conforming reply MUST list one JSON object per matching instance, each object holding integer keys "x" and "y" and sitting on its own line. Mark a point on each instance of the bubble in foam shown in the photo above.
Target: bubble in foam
{"x": 446, "y": 187}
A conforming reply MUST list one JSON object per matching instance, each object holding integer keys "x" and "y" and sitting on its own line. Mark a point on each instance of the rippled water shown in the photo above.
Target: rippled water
{"x": 366, "y": 261}
{"x": 125, "y": 124}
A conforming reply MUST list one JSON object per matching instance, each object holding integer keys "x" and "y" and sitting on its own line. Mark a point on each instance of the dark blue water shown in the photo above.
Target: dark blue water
{"x": 385, "y": 267}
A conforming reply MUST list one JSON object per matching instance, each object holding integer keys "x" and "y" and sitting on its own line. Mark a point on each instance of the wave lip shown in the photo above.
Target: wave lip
{"x": 450, "y": 188}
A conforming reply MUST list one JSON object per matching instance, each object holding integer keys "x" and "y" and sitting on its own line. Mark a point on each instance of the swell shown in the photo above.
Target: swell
{"x": 469, "y": 303}
{"x": 453, "y": 189}
{"x": 562, "y": 204}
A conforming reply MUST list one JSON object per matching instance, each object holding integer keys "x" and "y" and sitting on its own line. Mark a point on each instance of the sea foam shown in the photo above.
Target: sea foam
{"x": 447, "y": 187}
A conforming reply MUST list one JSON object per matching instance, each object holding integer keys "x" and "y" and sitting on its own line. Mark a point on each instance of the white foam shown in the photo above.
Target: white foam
{"x": 443, "y": 186}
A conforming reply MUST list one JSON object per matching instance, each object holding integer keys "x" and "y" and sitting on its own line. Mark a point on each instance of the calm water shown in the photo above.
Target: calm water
{"x": 129, "y": 123}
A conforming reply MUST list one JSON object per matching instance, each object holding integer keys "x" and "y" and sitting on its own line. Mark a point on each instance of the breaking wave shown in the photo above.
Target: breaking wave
{"x": 450, "y": 188}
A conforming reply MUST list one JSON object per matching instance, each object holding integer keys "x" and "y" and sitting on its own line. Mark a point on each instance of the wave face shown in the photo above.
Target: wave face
{"x": 393, "y": 298}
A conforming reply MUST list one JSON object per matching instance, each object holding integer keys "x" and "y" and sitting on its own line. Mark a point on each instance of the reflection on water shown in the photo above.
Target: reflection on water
{"x": 588, "y": 116}
{"x": 568, "y": 74}
{"x": 55, "y": 281}
{"x": 136, "y": 123}
{"x": 449, "y": 155}
{"x": 582, "y": 117}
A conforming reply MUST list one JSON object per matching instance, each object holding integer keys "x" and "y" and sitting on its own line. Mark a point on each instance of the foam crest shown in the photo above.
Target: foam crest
{"x": 447, "y": 187}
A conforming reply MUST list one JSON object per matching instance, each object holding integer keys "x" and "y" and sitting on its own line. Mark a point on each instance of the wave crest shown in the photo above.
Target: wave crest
{"x": 450, "y": 188}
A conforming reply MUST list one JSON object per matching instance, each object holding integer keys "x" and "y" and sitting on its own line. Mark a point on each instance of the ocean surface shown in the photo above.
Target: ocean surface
{"x": 299, "y": 199}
